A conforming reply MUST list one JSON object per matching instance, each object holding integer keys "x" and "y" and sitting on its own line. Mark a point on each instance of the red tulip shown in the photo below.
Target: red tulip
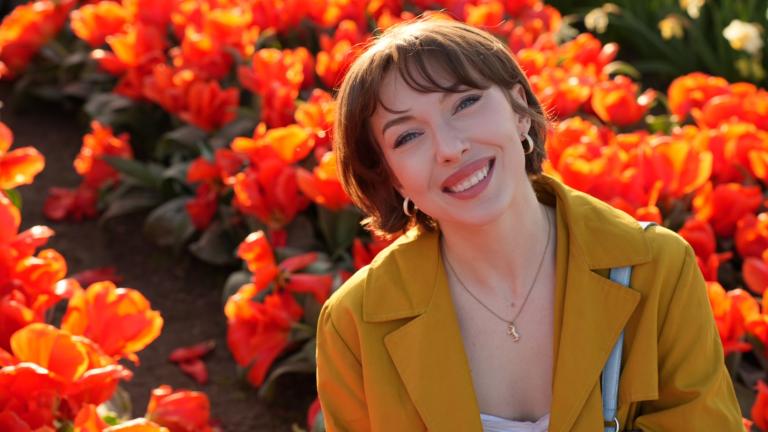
{"x": 322, "y": 185}
{"x": 259, "y": 332}
{"x": 94, "y": 22}
{"x": 616, "y": 101}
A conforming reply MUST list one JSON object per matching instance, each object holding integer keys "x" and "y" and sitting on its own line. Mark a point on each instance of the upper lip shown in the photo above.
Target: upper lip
{"x": 465, "y": 171}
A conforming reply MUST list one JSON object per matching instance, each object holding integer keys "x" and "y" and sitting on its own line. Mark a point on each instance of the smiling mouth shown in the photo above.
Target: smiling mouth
{"x": 473, "y": 179}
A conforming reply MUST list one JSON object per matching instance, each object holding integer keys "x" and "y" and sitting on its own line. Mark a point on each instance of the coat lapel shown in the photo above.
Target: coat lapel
{"x": 592, "y": 319}
{"x": 428, "y": 353}
{"x": 590, "y": 309}
{"x": 428, "y": 350}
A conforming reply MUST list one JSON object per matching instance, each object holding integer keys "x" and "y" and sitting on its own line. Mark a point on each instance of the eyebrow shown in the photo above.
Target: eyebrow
{"x": 404, "y": 118}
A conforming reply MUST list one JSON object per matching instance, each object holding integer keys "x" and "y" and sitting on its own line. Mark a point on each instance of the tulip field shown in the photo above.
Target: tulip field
{"x": 171, "y": 219}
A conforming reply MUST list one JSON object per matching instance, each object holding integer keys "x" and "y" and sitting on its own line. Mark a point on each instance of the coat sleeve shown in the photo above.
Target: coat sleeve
{"x": 339, "y": 379}
{"x": 695, "y": 389}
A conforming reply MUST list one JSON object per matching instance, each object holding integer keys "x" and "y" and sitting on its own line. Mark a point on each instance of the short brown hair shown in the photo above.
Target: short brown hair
{"x": 472, "y": 57}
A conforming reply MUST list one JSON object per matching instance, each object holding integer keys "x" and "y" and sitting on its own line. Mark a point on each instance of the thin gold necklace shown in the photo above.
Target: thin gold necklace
{"x": 511, "y": 327}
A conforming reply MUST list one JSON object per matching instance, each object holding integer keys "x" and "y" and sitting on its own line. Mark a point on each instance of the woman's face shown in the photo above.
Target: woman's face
{"x": 457, "y": 156}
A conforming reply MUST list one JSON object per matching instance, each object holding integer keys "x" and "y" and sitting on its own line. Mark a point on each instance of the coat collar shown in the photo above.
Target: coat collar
{"x": 408, "y": 280}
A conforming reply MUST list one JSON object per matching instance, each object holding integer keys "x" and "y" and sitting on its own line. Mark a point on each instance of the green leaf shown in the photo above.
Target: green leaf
{"x": 132, "y": 201}
{"x": 659, "y": 123}
{"x": 14, "y": 196}
{"x": 216, "y": 246}
{"x": 622, "y": 68}
{"x": 105, "y": 107}
{"x": 234, "y": 282}
{"x": 184, "y": 139}
{"x": 302, "y": 361}
{"x": 149, "y": 174}
{"x": 339, "y": 228}
{"x": 169, "y": 224}
{"x": 241, "y": 126}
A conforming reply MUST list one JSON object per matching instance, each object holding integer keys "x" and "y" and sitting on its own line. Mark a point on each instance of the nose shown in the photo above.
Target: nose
{"x": 450, "y": 146}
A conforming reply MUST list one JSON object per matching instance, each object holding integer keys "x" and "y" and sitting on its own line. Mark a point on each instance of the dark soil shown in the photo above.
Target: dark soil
{"x": 187, "y": 292}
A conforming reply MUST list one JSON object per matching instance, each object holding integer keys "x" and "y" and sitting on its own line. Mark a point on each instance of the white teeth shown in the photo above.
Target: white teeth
{"x": 472, "y": 180}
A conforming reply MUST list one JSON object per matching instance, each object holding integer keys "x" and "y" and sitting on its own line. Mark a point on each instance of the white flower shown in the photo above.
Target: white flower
{"x": 692, "y": 7}
{"x": 596, "y": 20}
{"x": 671, "y": 27}
{"x": 744, "y": 36}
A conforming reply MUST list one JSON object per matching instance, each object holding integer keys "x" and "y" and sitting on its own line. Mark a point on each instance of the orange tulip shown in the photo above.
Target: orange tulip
{"x": 742, "y": 103}
{"x": 88, "y": 420}
{"x": 180, "y": 410}
{"x": 616, "y": 102}
{"x": 101, "y": 142}
{"x": 20, "y": 166}
{"x": 27, "y": 28}
{"x": 290, "y": 143}
{"x": 281, "y": 15}
{"x": 209, "y": 106}
{"x": 259, "y": 332}
{"x": 332, "y": 64}
{"x": 137, "y": 46}
{"x": 317, "y": 115}
{"x": 738, "y": 149}
{"x": 560, "y": 92}
{"x": 732, "y": 310}
{"x": 587, "y": 51}
{"x": 119, "y": 320}
{"x": 10, "y": 219}
{"x": 322, "y": 185}
{"x": 277, "y": 76}
{"x": 258, "y": 256}
{"x": 681, "y": 167}
{"x": 203, "y": 54}
{"x": 156, "y": 13}
{"x": 94, "y": 22}
{"x": 486, "y": 15}
{"x": 168, "y": 87}
{"x": 269, "y": 192}
{"x": 693, "y": 91}
{"x": 725, "y": 205}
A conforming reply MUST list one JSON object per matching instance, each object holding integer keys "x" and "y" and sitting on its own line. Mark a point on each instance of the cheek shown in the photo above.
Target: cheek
{"x": 412, "y": 175}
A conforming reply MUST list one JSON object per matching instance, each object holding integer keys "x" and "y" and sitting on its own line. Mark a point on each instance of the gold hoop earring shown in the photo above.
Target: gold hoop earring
{"x": 527, "y": 149}
{"x": 407, "y": 212}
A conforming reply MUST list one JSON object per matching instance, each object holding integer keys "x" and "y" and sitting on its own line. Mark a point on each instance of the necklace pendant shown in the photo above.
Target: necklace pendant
{"x": 512, "y": 331}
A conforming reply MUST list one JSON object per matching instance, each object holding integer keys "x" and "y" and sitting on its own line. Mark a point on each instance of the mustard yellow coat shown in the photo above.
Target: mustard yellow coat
{"x": 390, "y": 356}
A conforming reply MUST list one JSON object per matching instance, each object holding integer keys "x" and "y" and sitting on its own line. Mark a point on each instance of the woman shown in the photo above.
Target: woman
{"x": 494, "y": 311}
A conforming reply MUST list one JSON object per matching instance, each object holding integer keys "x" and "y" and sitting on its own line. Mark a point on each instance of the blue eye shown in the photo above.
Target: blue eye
{"x": 467, "y": 102}
{"x": 404, "y": 138}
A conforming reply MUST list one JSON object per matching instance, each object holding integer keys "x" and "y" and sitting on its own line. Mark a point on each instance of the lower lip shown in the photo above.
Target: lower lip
{"x": 476, "y": 189}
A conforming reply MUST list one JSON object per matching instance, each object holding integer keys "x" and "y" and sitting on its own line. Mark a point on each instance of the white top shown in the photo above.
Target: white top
{"x": 492, "y": 423}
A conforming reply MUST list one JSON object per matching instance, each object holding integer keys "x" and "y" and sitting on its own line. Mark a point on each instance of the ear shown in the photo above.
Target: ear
{"x": 517, "y": 92}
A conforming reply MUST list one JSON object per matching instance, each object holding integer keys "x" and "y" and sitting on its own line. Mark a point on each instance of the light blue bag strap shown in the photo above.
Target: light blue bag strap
{"x": 612, "y": 369}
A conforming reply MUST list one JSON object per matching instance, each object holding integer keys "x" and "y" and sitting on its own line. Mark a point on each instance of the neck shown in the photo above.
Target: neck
{"x": 500, "y": 257}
